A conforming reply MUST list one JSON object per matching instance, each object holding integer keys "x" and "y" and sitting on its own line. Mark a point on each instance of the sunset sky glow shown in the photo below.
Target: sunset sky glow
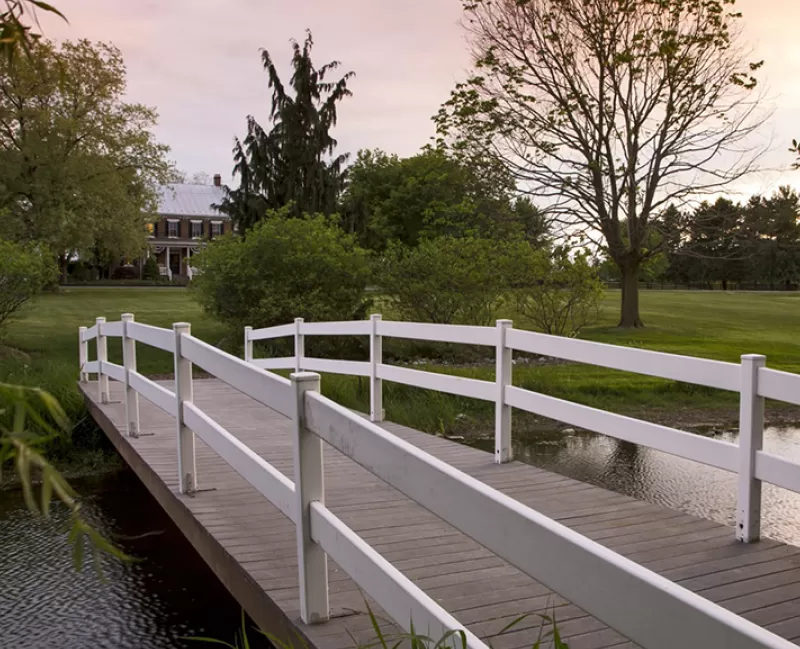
{"x": 198, "y": 63}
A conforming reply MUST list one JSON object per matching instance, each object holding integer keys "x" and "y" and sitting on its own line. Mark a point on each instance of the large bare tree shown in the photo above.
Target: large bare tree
{"x": 608, "y": 111}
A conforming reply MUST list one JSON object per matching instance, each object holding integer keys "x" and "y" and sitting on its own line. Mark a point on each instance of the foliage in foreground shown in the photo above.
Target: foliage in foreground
{"x": 24, "y": 272}
{"x": 15, "y": 34}
{"x": 29, "y": 419}
{"x": 453, "y": 639}
{"x": 282, "y": 269}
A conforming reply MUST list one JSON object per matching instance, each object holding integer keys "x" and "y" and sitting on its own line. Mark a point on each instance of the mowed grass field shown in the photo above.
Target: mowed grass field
{"x": 714, "y": 325}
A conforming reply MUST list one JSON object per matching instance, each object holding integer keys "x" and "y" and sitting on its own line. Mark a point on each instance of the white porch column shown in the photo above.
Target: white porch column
{"x": 169, "y": 268}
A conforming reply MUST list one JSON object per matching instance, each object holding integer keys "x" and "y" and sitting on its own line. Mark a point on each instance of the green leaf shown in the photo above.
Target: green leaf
{"x": 48, "y": 7}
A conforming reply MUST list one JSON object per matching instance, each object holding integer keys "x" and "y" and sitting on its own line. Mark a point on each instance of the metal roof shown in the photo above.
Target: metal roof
{"x": 179, "y": 199}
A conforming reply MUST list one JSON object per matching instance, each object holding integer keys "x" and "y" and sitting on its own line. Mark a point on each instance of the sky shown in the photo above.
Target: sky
{"x": 198, "y": 62}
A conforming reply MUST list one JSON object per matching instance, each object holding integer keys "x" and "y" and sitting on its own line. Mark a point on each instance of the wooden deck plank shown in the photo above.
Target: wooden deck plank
{"x": 252, "y": 546}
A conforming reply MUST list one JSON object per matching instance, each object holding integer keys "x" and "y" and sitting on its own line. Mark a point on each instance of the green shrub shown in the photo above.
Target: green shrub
{"x": 447, "y": 280}
{"x": 284, "y": 268}
{"x": 150, "y": 270}
{"x": 24, "y": 272}
{"x": 557, "y": 294}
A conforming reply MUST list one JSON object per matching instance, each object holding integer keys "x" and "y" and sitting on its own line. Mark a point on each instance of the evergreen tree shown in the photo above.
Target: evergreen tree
{"x": 294, "y": 163}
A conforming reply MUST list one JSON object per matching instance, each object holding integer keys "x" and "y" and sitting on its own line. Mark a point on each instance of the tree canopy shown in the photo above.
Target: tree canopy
{"x": 608, "y": 111}
{"x": 295, "y": 161}
{"x": 79, "y": 166}
{"x": 428, "y": 195}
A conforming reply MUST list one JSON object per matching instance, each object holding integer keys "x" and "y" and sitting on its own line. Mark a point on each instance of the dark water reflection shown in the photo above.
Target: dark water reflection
{"x": 664, "y": 479}
{"x": 45, "y": 603}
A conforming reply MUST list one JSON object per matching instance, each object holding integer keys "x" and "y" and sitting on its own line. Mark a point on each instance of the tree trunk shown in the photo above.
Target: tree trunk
{"x": 629, "y": 317}
{"x": 62, "y": 262}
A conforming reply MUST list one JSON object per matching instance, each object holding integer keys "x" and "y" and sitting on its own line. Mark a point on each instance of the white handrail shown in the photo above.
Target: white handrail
{"x": 397, "y": 594}
{"x": 647, "y": 608}
{"x": 699, "y": 371}
{"x": 705, "y": 450}
{"x": 781, "y": 386}
{"x": 156, "y": 394}
{"x": 153, "y": 336}
{"x": 642, "y": 605}
{"x": 269, "y": 389}
{"x": 270, "y": 482}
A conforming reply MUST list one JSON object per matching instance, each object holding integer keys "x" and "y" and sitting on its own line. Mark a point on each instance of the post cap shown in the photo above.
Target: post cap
{"x": 304, "y": 377}
{"x": 376, "y": 316}
{"x": 181, "y": 325}
{"x": 504, "y": 323}
{"x": 298, "y": 319}
{"x": 126, "y": 317}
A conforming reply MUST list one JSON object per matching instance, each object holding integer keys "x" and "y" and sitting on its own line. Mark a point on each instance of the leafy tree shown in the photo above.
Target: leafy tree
{"x": 772, "y": 238}
{"x": 294, "y": 163}
{"x": 557, "y": 294}
{"x": 282, "y": 269}
{"x": 448, "y": 280}
{"x": 79, "y": 166}
{"x": 24, "y": 272}
{"x": 610, "y": 110}
{"x": 429, "y": 195}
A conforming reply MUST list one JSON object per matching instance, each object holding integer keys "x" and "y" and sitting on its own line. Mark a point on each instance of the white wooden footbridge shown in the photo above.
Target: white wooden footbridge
{"x": 307, "y": 510}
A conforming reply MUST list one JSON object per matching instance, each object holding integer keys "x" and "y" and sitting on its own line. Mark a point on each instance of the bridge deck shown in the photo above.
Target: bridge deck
{"x": 251, "y": 545}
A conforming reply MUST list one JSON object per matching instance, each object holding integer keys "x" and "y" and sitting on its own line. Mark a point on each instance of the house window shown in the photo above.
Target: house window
{"x": 197, "y": 229}
{"x": 216, "y": 228}
{"x": 172, "y": 229}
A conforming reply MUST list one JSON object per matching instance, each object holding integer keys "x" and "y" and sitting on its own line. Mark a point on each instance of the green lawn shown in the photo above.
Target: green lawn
{"x": 714, "y": 325}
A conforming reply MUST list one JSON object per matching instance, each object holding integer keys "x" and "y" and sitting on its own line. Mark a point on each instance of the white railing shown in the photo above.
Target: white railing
{"x": 750, "y": 379}
{"x": 648, "y": 609}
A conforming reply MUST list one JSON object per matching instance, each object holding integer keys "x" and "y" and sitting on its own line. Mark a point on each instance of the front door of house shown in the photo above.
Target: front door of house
{"x": 175, "y": 261}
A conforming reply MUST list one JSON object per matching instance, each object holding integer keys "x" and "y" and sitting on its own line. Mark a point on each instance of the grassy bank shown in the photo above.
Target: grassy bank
{"x": 41, "y": 349}
{"x": 715, "y": 325}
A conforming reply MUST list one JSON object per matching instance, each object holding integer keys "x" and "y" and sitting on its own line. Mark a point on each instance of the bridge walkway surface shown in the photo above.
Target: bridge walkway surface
{"x": 252, "y": 546}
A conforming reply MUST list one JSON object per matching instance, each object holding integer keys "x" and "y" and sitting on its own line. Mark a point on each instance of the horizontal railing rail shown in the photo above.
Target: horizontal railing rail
{"x": 688, "y": 369}
{"x": 647, "y": 608}
{"x": 629, "y": 598}
{"x": 751, "y": 379}
{"x": 705, "y": 450}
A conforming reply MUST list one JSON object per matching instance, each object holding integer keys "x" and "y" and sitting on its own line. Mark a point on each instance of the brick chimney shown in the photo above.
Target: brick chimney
{"x": 217, "y": 180}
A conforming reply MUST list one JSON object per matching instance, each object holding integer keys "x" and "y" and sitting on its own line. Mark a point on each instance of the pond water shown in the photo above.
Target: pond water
{"x": 151, "y": 604}
{"x": 665, "y": 479}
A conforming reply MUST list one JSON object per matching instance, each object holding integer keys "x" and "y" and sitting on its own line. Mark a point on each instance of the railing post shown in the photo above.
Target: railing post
{"x": 375, "y": 359}
{"x": 309, "y": 485}
{"x": 187, "y": 469}
{"x": 129, "y": 361}
{"x": 83, "y": 354}
{"x": 299, "y": 345}
{"x": 751, "y": 434}
{"x": 502, "y": 413}
{"x": 248, "y": 345}
{"x": 102, "y": 357}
